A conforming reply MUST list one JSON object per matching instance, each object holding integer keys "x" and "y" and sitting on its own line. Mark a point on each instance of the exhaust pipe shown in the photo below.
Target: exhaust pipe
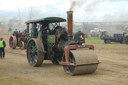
{"x": 70, "y": 22}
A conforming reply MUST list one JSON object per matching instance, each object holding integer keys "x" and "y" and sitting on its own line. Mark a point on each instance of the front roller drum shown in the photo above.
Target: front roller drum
{"x": 86, "y": 62}
{"x": 21, "y": 45}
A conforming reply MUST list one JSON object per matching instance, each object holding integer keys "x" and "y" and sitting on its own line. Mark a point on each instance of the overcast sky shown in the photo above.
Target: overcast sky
{"x": 84, "y": 10}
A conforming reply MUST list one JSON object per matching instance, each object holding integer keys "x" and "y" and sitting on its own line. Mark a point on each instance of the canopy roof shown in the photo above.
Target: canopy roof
{"x": 47, "y": 19}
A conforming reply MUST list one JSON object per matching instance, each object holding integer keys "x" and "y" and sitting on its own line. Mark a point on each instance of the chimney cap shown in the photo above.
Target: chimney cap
{"x": 69, "y": 12}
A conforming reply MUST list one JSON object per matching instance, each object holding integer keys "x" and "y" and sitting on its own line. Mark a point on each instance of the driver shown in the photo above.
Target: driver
{"x": 34, "y": 31}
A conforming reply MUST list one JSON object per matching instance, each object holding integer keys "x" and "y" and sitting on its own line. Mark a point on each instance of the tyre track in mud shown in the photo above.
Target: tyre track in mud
{"x": 12, "y": 51}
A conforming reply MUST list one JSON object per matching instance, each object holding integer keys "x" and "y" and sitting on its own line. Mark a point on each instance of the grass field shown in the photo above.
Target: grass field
{"x": 17, "y": 81}
{"x": 98, "y": 41}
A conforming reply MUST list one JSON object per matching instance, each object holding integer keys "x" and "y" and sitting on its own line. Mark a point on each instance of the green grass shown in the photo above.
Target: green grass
{"x": 94, "y": 40}
{"x": 17, "y": 81}
{"x": 98, "y": 41}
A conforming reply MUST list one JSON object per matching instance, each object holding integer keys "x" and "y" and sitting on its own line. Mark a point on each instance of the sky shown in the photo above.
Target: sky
{"x": 83, "y": 10}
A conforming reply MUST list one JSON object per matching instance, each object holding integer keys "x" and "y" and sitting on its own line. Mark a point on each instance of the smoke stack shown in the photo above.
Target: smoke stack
{"x": 70, "y": 22}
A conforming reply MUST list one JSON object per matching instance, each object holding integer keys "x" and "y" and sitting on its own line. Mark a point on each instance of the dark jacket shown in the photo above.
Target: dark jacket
{"x": 15, "y": 32}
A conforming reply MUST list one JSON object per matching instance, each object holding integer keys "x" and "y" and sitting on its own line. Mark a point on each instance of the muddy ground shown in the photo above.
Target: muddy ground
{"x": 113, "y": 69}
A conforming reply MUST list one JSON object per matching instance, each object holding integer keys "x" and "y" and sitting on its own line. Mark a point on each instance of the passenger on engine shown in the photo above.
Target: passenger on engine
{"x": 34, "y": 31}
{"x": 61, "y": 35}
{"x": 15, "y": 32}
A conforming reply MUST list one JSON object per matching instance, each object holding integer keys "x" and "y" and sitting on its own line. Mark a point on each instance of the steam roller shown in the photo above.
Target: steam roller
{"x": 61, "y": 46}
{"x": 85, "y": 61}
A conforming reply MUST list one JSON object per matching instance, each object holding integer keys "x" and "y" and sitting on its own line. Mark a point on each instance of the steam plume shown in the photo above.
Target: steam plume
{"x": 89, "y": 4}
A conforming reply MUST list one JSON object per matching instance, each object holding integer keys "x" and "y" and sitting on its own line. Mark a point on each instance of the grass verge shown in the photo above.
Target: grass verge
{"x": 16, "y": 81}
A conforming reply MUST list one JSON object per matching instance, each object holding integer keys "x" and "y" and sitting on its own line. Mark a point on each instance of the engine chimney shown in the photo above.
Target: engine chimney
{"x": 70, "y": 22}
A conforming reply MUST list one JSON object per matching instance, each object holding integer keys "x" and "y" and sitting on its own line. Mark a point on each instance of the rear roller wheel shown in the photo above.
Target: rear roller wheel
{"x": 86, "y": 62}
{"x": 21, "y": 45}
{"x": 35, "y": 52}
{"x": 55, "y": 61}
{"x": 12, "y": 42}
{"x": 25, "y": 45}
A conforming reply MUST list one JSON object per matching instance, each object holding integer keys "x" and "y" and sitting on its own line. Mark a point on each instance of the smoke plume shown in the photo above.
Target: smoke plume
{"x": 88, "y": 4}
{"x": 72, "y": 5}
{"x": 75, "y": 3}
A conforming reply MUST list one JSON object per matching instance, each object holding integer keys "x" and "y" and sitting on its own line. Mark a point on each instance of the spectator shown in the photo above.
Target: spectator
{"x": 2, "y": 48}
{"x": 10, "y": 30}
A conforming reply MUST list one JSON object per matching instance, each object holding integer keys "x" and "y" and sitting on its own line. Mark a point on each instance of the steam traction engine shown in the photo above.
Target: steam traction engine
{"x": 19, "y": 40}
{"x": 61, "y": 47}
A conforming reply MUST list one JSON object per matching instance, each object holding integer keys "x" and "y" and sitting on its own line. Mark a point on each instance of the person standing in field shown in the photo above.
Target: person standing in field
{"x": 2, "y": 48}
